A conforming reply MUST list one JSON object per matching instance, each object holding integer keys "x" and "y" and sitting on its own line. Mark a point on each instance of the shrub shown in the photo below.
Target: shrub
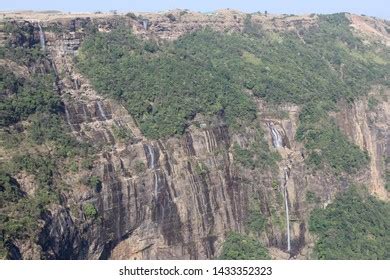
{"x": 122, "y": 133}
{"x": 90, "y": 211}
{"x": 95, "y": 183}
{"x": 131, "y": 15}
{"x": 256, "y": 222}
{"x": 171, "y": 17}
{"x": 139, "y": 166}
{"x": 242, "y": 247}
{"x": 201, "y": 169}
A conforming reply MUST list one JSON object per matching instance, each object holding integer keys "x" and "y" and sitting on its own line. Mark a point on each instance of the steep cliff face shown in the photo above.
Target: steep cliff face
{"x": 365, "y": 122}
{"x": 177, "y": 198}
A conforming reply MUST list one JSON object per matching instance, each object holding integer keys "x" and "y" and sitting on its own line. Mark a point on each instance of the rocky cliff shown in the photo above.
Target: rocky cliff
{"x": 179, "y": 197}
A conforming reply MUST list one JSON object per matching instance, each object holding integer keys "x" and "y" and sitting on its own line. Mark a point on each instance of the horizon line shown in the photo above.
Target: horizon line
{"x": 123, "y": 12}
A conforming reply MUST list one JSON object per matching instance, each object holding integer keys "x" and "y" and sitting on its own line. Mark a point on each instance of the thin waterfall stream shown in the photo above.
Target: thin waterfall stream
{"x": 277, "y": 142}
{"x": 41, "y": 37}
{"x": 101, "y": 111}
{"x": 145, "y": 24}
{"x": 151, "y": 156}
{"x": 68, "y": 118}
{"x": 151, "y": 153}
{"x": 286, "y": 177}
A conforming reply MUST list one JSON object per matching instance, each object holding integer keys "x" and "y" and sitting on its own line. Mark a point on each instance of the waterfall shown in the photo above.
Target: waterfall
{"x": 101, "y": 111}
{"x": 41, "y": 37}
{"x": 286, "y": 177}
{"x": 76, "y": 87}
{"x": 68, "y": 118}
{"x": 156, "y": 175}
{"x": 277, "y": 139}
{"x": 151, "y": 153}
{"x": 85, "y": 112}
{"x": 145, "y": 24}
{"x": 156, "y": 185}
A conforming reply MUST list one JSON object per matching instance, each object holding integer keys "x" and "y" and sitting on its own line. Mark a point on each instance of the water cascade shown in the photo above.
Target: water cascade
{"x": 101, "y": 111}
{"x": 68, "y": 118}
{"x": 151, "y": 153}
{"x": 85, "y": 113}
{"x": 286, "y": 177}
{"x": 277, "y": 139}
{"x": 41, "y": 37}
{"x": 76, "y": 86}
{"x": 145, "y": 24}
{"x": 156, "y": 179}
{"x": 151, "y": 158}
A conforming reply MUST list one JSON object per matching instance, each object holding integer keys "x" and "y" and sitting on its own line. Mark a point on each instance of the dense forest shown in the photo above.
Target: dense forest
{"x": 164, "y": 85}
{"x": 354, "y": 226}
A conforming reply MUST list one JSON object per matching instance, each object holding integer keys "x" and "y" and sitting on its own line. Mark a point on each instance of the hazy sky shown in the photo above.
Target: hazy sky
{"x": 379, "y": 8}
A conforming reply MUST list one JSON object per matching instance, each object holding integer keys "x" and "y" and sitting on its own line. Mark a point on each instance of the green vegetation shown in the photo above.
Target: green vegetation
{"x": 335, "y": 42}
{"x": 9, "y": 189}
{"x": 33, "y": 132}
{"x": 41, "y": 166}
{"x": 247, "y": 246}
{"x": 90, "y": 211}
{"x": 372, "y": 103}
{"x": 257, "y": 155}
{"x": 328, "y": 146}
{"x": 387, "y": 181}
{"x": 256, "y": 222}
{"x": 131, "y": 15}
{"x": 122, "y": 133}
{"x": 28, "y": 52}
{"x": 201, "y": 169}
{"x": 95, "y": 183}
{"x": 87, "y": 162}
{"x": 354, "y": 226}
{"x": 243, "y": 156}
{"x": 387, "y": 172}
{"x": 242, "y": 247}
{"x": 22, "y": 93}
{"x": 252, "y": 28}
{"x": 19, "y": 213}
{"x": 311, "y": 197}
{"x": 50, "y": 129}
{"x": 25, "y": 97}
{"x": 139, "y": 167}
{"x": 166, "y": 84}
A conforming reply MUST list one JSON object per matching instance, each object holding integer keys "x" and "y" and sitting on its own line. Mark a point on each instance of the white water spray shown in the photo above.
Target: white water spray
{"x": 286, "y": 177}
{"x": 76, "y": 86}
{"x": 277, "y": 139}
{"x": 85, "y": 112}
{"x": 155, "y": 185}
{"x": 68, "y": 118}
{"x": 151, "y": 153}
{"x": 101, "y": 111}
{"x": 145, "y": 23}
{"x": 41, "y": 37}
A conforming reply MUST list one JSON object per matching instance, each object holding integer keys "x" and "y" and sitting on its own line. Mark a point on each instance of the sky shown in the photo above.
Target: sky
{"x": 378, "y": 8}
